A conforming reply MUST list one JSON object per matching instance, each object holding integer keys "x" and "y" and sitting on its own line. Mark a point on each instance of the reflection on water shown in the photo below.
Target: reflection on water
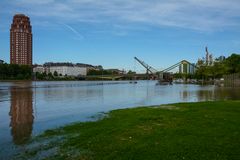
{"x": 21, "y": 113}
{"x": 219, "y": 94}
{"x": 59, "y": 103}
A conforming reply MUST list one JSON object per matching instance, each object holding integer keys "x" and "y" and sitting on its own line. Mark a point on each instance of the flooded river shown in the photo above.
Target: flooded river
{"x": 29, "y": 108}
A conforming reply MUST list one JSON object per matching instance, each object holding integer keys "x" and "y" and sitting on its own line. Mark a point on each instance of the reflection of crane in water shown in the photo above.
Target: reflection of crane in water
{"x": 163, "y": 76}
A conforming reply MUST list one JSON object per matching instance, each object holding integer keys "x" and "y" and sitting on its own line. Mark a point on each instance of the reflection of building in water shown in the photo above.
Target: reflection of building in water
{"x": 197, "y": 95}
{"x": 206, "y": 95}
{"x": 185, "y": 95}
{"x": 21, "y": 113}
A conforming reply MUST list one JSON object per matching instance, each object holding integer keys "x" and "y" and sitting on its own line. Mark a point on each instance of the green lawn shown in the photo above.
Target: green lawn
{"x": 193, "y": 131}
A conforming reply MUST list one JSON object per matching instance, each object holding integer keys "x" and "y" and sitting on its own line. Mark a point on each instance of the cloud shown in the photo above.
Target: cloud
{"x": 202, "y": 15}
{"x": 78, "y": 35}
{"x": 35, "y": 2}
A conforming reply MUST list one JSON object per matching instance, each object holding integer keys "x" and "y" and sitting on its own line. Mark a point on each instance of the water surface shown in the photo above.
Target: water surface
{"x": 29, "y": 108}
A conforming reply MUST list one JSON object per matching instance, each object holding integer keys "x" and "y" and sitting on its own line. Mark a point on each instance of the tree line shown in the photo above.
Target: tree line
{"x": 219, "y": 68}
{"x": 55, "y": 76}
{"x": 102, "y": 72}
{"x": 216, "y": 70}
{"x": 15, "y": 72}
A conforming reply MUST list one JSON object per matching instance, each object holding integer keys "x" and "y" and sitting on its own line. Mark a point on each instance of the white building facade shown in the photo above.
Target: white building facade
{"x": 68, "y": 70}
{"x": 187, "y": 68}
{"x": 39, "y": 69}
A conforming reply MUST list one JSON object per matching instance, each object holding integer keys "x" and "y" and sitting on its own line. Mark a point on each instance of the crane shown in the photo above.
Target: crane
{"x": 163, "y": 76}
{"x": 148, "y": 67}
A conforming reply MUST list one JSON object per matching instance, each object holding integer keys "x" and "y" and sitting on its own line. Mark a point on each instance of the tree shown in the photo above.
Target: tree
{"x": 15, "y": 72}
{"x": 99, "y": 72}
{"x": 220, "y": 67}
{"x": 55, "y": 74}
{"x": 50, "y": 75}
{"x": 233, "y": 63}
{"x": 44, "y": 74}
{"x": 131, "y": 72}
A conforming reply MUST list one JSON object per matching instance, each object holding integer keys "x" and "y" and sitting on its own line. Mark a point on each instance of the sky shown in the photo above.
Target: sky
{"x": 111, "y": 32}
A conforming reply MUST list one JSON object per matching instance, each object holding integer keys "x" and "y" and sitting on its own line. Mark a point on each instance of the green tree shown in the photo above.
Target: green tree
{"x": 55, "y": 73}
{"x": 131, "y": 72}
{"x": 15, "y": 72}
{"x": 233, "y": 63}
{"x": 50, "y": 76}
{"x": 219, "y": 68}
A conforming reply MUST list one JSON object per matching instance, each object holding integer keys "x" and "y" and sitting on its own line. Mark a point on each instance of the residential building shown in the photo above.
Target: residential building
{"x": 89, "y": 66}
{"x": 187, "y": 68}
{"x": 65, "y": 68}
{"x": 68, "y": 69}
{"x": 39, "y": 69}
{"x": 21, "y": 40}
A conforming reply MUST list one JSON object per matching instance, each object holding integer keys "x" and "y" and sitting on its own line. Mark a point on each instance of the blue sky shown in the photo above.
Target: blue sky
{"x": 112, "y": 32}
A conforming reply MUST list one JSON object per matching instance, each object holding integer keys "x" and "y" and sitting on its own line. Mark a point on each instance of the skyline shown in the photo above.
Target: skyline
{"x": 111, "y": 33}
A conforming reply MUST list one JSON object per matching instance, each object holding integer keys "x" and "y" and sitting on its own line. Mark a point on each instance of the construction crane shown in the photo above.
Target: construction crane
{"x": 163, "y": 76}
{"x": 148, "y": 67}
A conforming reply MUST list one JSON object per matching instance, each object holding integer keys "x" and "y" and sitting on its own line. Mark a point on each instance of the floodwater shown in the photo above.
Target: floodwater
{"x": 29, "y": 108}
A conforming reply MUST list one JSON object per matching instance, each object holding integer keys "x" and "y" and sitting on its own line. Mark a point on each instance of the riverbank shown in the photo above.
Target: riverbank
{"x": 204, "y": 130}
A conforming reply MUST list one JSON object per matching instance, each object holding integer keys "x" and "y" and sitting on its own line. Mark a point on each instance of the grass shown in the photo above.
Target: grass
{"x": 193, "y": 131}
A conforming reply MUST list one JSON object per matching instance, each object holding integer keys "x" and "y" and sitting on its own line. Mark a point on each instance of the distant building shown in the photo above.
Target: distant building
{"x": 187, "y": 68}
{"x": 21, "y": 40}
{"x": 65, "y": 68}
{"x": 192, "y": 68}
{"x": 1, "y": 61}
{"x": 89, "y": 66}
{"x": 68, "y": 69}
{"x": 208, "y": 58}
{"x": 221, "y": 58}
{"x": 39, "y": 69}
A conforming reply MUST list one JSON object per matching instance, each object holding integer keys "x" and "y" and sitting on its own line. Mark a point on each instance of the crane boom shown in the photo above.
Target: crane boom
{"x": 145, "y": 65}
{"x": 161, "y": 75}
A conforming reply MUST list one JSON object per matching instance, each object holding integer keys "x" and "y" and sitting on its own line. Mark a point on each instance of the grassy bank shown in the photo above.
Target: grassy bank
{"x": 205, "y": 130}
